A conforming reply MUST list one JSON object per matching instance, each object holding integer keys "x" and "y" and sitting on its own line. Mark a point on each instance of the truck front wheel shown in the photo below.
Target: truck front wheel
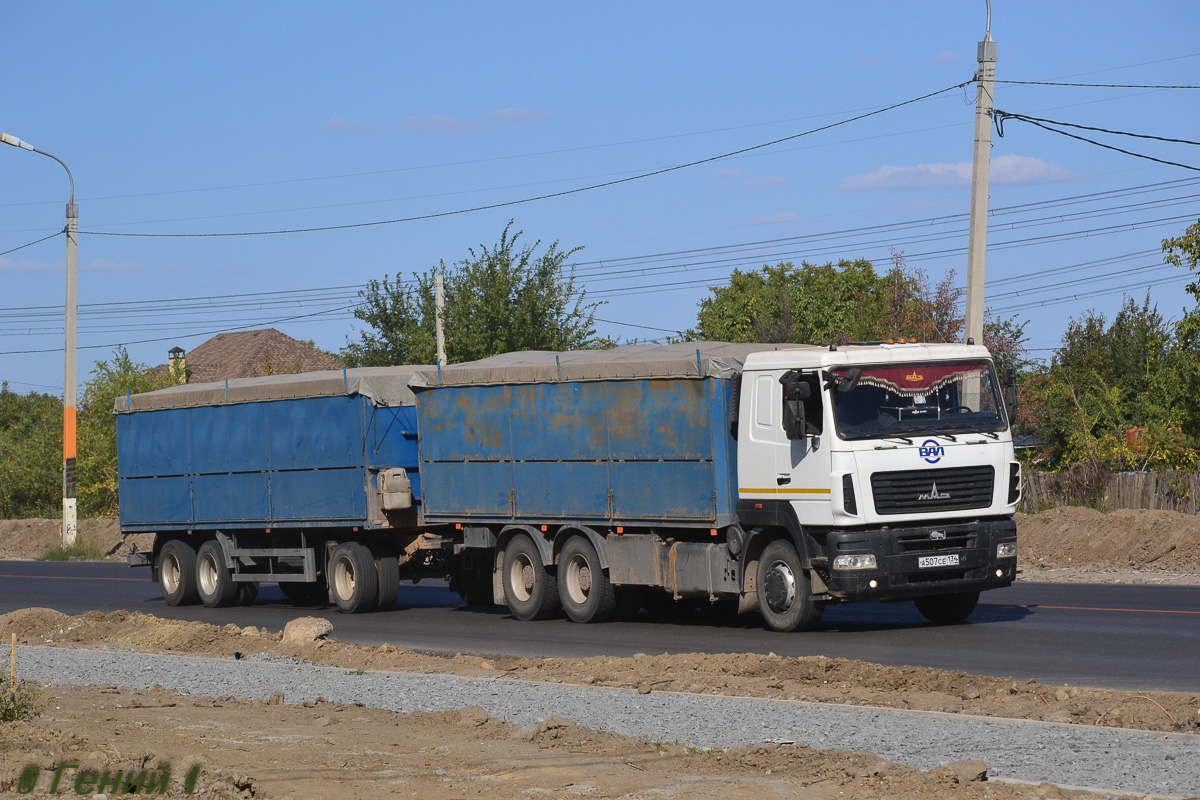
{"x": 944, "y": 609}
{"x": 587, "y": 595}
{"x": 530, "y": 590}
{"x": 177, "y": 574}
{"x": 213, "y": 580}
{"x": 353, "y": 579}
{"x": 784, "y": 592}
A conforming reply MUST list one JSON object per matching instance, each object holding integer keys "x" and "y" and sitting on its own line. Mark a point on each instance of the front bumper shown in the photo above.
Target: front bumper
{"x": 899, "y": 576}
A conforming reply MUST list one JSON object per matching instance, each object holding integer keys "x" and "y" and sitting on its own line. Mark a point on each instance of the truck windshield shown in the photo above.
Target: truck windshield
{"x": 902, "y": 399}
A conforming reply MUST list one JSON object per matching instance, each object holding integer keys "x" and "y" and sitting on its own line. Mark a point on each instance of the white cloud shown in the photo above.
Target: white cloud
{"x": 944, "y": 57}
{"x": 28, "y": 265}
{"x": 773, "y": 219}
{"x": 729, "y": 174}
{"x": 108, "y": 265}
{"x": 1004, "y": 170}
{"x": 349, "y": 126}
{"x": 768, "y": 180}
{"x": 439, "y": 125}
{"x": 518, "y": 115}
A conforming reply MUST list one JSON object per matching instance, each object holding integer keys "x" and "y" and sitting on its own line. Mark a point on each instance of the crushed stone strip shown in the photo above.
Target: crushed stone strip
{"x": 1145, "y": 762}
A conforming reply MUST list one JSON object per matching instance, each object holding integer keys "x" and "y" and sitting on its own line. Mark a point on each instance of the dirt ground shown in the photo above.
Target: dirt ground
{"x": 1064, "y": 544}
{"x": 812, "y": 678}
{"x": 261, "y": 749}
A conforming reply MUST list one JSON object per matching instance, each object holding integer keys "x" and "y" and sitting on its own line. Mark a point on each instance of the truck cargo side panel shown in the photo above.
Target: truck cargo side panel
{"x": 150, "y": 501}
{"x": 618, "y": 450}
{"x": 226, "y": 438}
{"x": 155, "y": 445}
{"x": 539, "y": 490}
{"x": 467, "y": 424}
{"x": 315, "y": 433}
{"x": 237, "y": 497}
{"x": 328, "y": 494}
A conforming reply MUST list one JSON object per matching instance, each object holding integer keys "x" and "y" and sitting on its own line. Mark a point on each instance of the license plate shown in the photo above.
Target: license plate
{"x": 938, "y": 561}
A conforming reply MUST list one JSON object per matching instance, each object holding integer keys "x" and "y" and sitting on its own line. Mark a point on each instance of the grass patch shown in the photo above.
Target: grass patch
{"x": 86, "y": 548}
{"x": 25, "y": 703}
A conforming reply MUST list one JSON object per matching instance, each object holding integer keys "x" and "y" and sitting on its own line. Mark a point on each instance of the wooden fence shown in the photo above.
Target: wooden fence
{"x": 1172, "y": 490}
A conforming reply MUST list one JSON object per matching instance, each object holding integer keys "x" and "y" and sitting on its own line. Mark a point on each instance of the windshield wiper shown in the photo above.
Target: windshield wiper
{"x": 904, "y": 439}
{"x": 943, "y": 435}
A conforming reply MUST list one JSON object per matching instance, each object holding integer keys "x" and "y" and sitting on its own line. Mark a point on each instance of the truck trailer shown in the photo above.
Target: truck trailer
{"x": 781, "y": 478}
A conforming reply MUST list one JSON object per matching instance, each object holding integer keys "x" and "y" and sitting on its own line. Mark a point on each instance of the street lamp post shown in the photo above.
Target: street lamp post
{"x": 70, "y": 514}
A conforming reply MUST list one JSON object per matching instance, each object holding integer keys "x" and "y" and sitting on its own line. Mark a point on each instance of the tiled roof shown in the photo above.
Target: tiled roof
{"x": 252, "y": 354}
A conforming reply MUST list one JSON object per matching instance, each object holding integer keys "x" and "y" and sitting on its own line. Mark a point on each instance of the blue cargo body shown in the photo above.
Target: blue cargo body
{"x": 299, "y": 462}
{"x": 651, "y": 451}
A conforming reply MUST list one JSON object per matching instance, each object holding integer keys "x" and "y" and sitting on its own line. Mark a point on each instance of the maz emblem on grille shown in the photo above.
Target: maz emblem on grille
{"x": 937, "y": 535}
{"x": 933, "y": 494}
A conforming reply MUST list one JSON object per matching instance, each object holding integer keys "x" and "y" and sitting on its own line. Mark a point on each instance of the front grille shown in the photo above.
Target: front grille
{"x": 918, "y": 490}
{"x": 922, "y": 542}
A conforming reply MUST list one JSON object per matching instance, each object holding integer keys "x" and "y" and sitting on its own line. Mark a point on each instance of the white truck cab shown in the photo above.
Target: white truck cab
{"x": 891, "y": 464}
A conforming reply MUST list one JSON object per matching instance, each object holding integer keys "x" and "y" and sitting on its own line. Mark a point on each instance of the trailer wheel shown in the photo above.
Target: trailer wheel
{"x": 387, "y": 573}
{"x": 530, "y": 590}
{"x": 213, "y": 580}
{"x": 304, "y": 594}
{"x": 353, "y": 580}
{"x": 587, "y": 595}
{"x": 944, "y": 609}
{"x": 247, "y": 593}
{"x": 177, "y": 574}
{"x": 784, "y": 591}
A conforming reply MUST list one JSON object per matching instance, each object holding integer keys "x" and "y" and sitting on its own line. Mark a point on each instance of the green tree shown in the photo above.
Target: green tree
{"x": 30, "y": 454}
{"x": 97, "y": 428}
{"x": 499, "y": 299}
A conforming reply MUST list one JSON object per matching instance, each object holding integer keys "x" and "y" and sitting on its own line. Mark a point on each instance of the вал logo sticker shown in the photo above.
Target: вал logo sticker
{"x": 931, "y": 451}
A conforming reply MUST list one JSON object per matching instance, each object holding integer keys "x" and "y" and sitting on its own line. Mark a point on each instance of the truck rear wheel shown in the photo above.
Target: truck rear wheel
{"x": 585, "y": 591}
{"x": 784, "y": 591}
{"x": 177, "y": 574}
{"x": 530, "y": 590}
{"x": 353, "y": 579}
{"x": 213, "y": 580}
{"x": 944, "y": 609}
{"x": 387, "y": 573}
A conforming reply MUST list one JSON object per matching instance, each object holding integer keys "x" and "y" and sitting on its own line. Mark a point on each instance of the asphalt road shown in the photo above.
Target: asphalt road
{"x": 1132, "y": 637}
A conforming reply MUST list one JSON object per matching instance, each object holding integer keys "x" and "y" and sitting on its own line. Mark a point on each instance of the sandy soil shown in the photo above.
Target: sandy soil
{"x": 259, "y": 749}
{"x": 1065, "y": 544}
{"x": 814, "y": 678}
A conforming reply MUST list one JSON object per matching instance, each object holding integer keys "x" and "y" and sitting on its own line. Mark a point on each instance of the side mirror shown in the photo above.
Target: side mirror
{"x": 848, "y": 382}
{"x": 793, "y": 419}
{"x": 1010, "y": 393}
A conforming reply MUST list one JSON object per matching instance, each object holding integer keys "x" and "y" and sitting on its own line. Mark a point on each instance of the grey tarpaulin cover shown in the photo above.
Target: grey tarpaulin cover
{"x": 681, "y": 360}
{"x": 385, "y": 386}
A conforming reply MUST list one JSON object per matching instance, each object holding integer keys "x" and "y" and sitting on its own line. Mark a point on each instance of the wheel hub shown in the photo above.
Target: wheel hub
{"x": 781, "y": 587}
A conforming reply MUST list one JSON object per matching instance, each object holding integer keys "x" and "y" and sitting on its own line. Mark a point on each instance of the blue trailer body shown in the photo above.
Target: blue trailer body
{"x": 306, "y": 462}
{"x": 648, "y": 451}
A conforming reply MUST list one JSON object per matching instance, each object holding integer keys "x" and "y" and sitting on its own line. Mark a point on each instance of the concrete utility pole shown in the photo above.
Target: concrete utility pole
{"x": 439, "y": 301}
{"x": 70, "y": 519}
{"x": 977, "y": 242}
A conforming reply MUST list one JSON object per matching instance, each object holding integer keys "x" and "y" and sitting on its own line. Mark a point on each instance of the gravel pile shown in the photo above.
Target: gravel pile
{"x": 1106, "y": 758}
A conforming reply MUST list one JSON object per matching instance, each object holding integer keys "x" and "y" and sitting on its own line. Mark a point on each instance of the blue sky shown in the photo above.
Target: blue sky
{"x": 238, "y": 117}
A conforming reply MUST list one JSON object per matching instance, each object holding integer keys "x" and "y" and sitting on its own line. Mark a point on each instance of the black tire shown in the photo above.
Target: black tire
{"x": 784, "y": 591}
{"x": 944, "y": 609}
{"x": 387, "y": 574}
{"x": 530, "y": 590}
{"x": 247, "y": 593}
{"x": 305, "y": 594}
{"x": 213, "y": 579}
{"x": 353, "y": 579}
{"x": 176, "y": 570}
{"x": 583, "y": 587}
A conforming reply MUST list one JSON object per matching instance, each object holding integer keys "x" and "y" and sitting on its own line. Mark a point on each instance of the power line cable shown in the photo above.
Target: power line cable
{"x": 31, "y": 244}
{"x": 1102, "y": 85}
{"x": 1003, "y": 115}
{"x": 577, "y": 190}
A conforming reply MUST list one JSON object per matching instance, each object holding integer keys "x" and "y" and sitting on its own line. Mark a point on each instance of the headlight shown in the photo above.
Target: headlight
{"x": 1006, "y": 550}
{"x": 865, "y": 561}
